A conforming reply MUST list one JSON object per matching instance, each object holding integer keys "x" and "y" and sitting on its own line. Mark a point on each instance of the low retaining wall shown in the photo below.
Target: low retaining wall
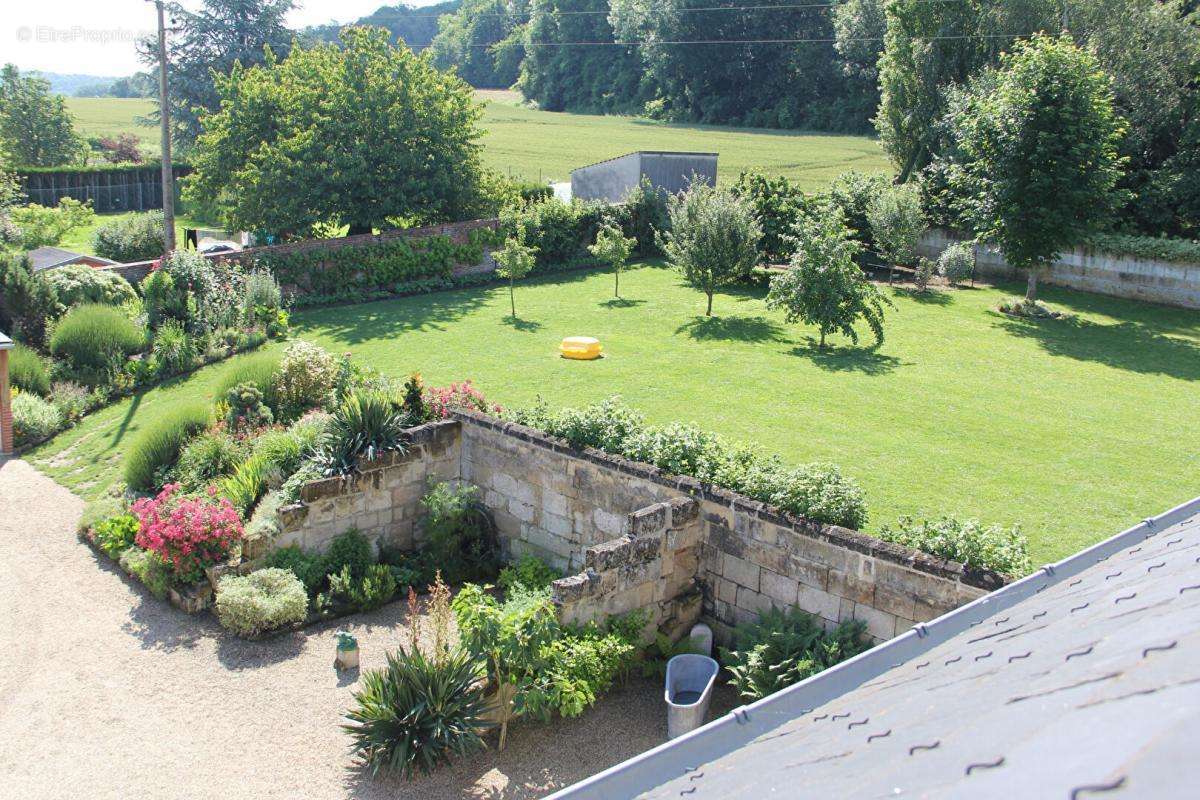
{"x": 631, "y": 536}
{"x": 458, "y": 232}
{"x": 1148, "y": 279}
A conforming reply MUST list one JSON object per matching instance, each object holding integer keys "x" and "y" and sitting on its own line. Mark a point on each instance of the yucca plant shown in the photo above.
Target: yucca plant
{"x": 418, "y": 712}
{"x": 366, "y": 424}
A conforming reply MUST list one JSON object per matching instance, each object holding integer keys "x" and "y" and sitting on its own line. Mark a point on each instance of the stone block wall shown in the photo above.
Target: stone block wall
{"x": 1116, "y": 275}
{"x": 630, "y": 536}
{"x": 653, "y": 566}
{"x": 383, "y": 501}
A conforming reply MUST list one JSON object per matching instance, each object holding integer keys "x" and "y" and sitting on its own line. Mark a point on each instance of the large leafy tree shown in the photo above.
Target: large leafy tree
{"x": 930, "y": 47}
{"x": 367, "y": 135}
{"x": 765, "y": 80}
{"x": 36, "y": 129}
{"x": 824, "y": 286}
{"x": 483, "y": 41}
{"x": 1035, "y": 153}
{"x": 206, "y": 44}
{"x": 596, "y": 77}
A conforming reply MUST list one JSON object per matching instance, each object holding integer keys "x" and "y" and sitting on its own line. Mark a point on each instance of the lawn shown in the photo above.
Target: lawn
{"x": 80, "y": 239}
{"x": 542, "y": 145}
{"x": 1073, "y": 429}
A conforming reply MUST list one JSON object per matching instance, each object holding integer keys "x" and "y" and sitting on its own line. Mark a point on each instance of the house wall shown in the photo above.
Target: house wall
{"x": 1103, "y": 273}
{"x": 630, "y": 536}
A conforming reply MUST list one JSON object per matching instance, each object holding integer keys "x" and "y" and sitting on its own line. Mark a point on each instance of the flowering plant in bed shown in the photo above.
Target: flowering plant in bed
{"x": 438, "y": 400}
{"x": 189, "y": 533}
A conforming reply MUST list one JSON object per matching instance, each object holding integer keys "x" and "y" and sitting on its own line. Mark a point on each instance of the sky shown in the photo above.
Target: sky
{"x": 97, "y": 37}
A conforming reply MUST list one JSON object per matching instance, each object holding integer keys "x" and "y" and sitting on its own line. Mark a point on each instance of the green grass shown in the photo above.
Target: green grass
{"x": 1074, "y": 429}
{"x": 109, "y": 116}
{"x": 541, "y": 145}
{"x": 80, "y": 239}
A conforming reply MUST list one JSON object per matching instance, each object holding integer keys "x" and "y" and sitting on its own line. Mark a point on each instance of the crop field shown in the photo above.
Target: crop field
{"x": 541, "y": 145}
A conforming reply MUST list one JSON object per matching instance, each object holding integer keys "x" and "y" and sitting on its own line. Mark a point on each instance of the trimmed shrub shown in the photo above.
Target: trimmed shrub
{"x": 34, "y": 419}
{"x": 77, "y": 284}
{"x": 957, "y": 263}
{"x": 349, "y": 551}
{"x": 95, "y": 338}
{"x": 28, "y": 370}
{"x": 785, "y": 647}
{"x": 134, "y": 237}
{"x": 418, "y": 712}
{"x": 209, "y": 456}
{"x": 263, "y": 601}
{"x": 148, "y": 568}
{"x": 157, "y": 448}
{"x": 247, "y": 411}
{"x": 966, "y": 541}
{"x": 257, "y": 369}
{"x": 308, "y": 567}
{"x": 306, "y": 378}
{"x": 162, "y": 299}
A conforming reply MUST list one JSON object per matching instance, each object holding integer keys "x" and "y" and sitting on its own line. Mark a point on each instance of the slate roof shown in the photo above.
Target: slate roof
{"x": 47, "y": 257}
{"x": 646, "y": 153}
{"x": 1080, "y": 681}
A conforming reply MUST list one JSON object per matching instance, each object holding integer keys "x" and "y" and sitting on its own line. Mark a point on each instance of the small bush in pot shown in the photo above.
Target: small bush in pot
{"x": 263, "y": 601}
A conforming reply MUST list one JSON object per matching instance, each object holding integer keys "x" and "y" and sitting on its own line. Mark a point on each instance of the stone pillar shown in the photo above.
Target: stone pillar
{"x": 6, "y": 426}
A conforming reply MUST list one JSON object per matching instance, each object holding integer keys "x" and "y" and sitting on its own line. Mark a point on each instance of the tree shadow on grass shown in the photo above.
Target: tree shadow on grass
{"x": 929, "y": 297}
{"x": 867, "y": 360}
{"x": 523, "y": 325}
{"x": 384, "y": 319}
{"x": 622, "y": 302}
{"x": 741, "y": 329}
{"x": 1129, "y": 346}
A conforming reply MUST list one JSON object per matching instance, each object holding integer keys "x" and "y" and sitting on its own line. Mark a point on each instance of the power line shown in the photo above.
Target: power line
{"x": 824, "y": 40}
{"x": 782, "y": 7}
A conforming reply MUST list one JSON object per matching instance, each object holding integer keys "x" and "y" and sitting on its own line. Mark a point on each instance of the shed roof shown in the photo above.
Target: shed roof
{"x": 44, "y": 258}
{"x": 647, "y": 153}
{"x": 1081, "y": 680}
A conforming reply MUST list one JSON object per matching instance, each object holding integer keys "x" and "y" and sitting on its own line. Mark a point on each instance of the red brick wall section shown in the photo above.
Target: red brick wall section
{"x": 6, "y": 430}
{"x": 457, "y": 231}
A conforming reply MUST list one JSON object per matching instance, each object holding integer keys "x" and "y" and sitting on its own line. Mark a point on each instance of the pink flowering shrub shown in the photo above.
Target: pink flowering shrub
{"x": 189, "y": 533}
{"x": 440, "y": 399}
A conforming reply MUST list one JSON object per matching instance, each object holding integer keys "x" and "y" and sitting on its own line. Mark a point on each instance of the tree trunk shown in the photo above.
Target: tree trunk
{"x": 1031, "y": 286}
{"x": 617, "y": 284}
{"x": 822, "y": 344}
{"x": 708, "y": 313}
{"x": 512, "y": 297}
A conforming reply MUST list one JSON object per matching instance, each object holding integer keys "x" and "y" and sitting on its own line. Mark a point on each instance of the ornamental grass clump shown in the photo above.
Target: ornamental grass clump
{"x": 28, "y": 370}
{"x": 157, "y": 448}
{"x": 95, "y": 339}
{"x": 263, "y": 601}
{"x": 189, "y": 533}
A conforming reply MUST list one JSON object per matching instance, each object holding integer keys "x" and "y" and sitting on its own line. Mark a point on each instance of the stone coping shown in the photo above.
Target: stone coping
{"x": 831, "y": 534}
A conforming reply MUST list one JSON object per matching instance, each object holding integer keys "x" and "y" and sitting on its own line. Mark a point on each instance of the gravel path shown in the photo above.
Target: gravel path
{"x": 107, "y": 692}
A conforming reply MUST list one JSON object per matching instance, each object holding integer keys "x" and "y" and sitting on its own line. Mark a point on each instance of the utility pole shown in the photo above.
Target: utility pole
{"x": 164, "y": 113}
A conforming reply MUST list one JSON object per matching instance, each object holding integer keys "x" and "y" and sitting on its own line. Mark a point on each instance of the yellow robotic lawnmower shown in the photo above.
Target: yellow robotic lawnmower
{"x": 583, "y": 348}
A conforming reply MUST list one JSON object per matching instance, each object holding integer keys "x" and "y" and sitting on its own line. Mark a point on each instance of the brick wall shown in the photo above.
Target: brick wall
{"x": 630, "y": 536}
{"x": 458, "y": 232}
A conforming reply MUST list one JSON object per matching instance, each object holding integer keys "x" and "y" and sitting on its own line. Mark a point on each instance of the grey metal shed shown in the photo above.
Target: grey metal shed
{"x": 671, "y": 172}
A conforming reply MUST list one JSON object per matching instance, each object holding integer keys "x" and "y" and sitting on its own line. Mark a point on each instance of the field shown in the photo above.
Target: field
{"x": 1074, "y": 429}
{"x": 540, "y": 145}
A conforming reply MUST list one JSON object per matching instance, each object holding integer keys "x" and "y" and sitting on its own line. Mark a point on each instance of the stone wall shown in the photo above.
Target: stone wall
{"x": 1103, "y": 273}
{"x": 383, "y": 501}
{"x": 630, "y": 536}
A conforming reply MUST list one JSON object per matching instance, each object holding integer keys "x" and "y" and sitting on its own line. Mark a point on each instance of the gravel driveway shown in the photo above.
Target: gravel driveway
{"x": 107, "y": 692}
